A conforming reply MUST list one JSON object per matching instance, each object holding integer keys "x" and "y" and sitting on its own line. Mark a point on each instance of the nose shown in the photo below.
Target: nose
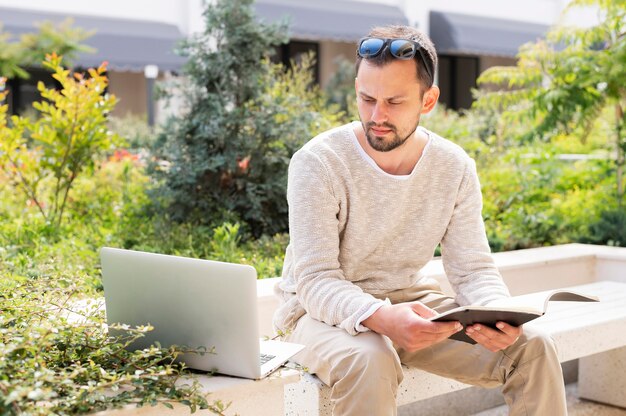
{"x": 379, "y": 114}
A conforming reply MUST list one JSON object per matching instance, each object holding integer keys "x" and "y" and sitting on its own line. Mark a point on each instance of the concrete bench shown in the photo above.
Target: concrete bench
{"x": 593, "y": 332}
{"x": 524, "y": 271}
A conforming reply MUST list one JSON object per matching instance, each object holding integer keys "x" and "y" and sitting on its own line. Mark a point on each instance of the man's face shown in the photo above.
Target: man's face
{"x": 390, "y": 102}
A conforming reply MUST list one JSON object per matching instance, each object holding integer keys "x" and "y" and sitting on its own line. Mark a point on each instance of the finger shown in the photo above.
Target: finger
{"x": 430, "y": 338}
{"x": 510, "y": 330}
{"x": 434, "y": 337}
{"x": 489, "y": 338}
{"x": 443, "y": 327}
{"x": 487, "y": 331}
{"x": 423, "y": 310}
{"x": 507, "y": 338}
{"x": 485, "y": 341}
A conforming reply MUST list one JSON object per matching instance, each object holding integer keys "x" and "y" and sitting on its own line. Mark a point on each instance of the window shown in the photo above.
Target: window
{"x": 457, "y": 76}
{"x": 294, "y": 51}
{"x": 23, "y": 92}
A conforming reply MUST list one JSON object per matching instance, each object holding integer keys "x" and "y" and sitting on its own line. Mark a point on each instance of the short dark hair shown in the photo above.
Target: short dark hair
{"x": 405, "y": 32}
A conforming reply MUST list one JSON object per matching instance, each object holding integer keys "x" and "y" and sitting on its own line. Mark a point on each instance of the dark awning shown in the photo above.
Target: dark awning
{"x": 455, "y": 33}
{"x": 338, "y": 20}
{"x": 126, "y": 44}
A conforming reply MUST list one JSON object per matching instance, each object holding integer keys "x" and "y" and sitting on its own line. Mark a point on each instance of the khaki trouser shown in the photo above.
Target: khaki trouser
{"x": 364, "y": 371}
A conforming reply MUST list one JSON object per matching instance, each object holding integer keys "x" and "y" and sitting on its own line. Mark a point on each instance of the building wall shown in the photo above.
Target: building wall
{"x": 168, "y": 11}
{"x": 329, "y": 53}
{"x": 545, "y": 12}
{"x": 130, "y": 89}
{"x": 489, "y": 61}
{"x": 187, "y": 16}
{"x": 535, "y": 11}
{"x": 532, "y": 11}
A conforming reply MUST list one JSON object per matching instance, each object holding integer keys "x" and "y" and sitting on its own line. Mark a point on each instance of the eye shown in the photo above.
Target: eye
{"x": 367, "y": 99}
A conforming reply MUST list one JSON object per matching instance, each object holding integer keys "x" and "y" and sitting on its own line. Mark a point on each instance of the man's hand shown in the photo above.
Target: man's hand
{"x": 407, "y": 325}
{"x": 492, "y": 339}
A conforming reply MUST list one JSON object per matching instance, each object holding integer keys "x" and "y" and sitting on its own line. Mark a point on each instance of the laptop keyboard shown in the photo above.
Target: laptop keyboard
{"x": 266, "y": 357}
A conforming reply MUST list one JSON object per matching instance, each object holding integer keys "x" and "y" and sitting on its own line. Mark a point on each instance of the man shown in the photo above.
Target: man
{"x": 368, "y": 204}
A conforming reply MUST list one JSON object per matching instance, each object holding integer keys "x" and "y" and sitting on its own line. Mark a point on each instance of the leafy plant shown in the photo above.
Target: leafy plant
{"x": 610, "y": 229}
{"x": 568, "y": 81}
{"x": 225, "y": 159}
{"x": 31, "y": 48}
{"x": 62, "y": 143}
{"x": 533, "y": 195}
{"x": 58, "y": 358}
{"x": 136, "y": 132}
{"x": 340, "y": 89}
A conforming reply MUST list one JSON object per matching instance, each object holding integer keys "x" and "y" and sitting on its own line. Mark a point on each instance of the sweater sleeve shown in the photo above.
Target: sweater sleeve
{"x": 465, "y": 250}
{"x": 321, "y": 286}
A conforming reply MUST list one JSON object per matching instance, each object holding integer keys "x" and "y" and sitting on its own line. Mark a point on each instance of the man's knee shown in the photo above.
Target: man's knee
{"x": 374, "y": 357}
{"x": 536, "y": 343}
{"x": 534, "y": 353}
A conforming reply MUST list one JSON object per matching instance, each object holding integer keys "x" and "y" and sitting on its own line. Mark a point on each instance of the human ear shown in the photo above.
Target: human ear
{"x": 429, "y": 99}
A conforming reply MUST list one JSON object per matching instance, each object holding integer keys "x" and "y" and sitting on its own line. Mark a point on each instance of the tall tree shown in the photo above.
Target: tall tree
{"x": 225, "y": 157}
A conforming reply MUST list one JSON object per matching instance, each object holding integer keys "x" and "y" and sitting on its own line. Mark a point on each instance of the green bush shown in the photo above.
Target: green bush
{"x": 340, "y": 90}
{"x": 43, "y": 158}
{"x": 225, "y": 159}
{"x": 610, "y": 229}
{"x": 16, "y": 55}
{"x": 135, "y": 130}
{"x": 53, "y": 363}
{"x": 546, "y": 201}
{"x": 223, "y": 243}
{"x": 532, "y": 198}
{"x": 565, "y": 82}
{"x": 57, "y": 358}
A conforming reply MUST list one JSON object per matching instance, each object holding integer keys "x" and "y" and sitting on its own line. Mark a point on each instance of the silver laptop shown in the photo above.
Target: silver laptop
{"x": 192, "y": 302}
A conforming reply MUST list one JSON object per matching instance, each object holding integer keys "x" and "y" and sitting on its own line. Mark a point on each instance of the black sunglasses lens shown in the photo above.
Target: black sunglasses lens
{"x": 370, "y": 47}
{"x": 402, "y": 49}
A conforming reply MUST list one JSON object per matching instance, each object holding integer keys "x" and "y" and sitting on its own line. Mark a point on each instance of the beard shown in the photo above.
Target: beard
{"x": 379, "y": 143}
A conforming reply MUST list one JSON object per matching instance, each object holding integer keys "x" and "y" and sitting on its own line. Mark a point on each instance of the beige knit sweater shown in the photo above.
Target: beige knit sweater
{"x": 357, "y": 233}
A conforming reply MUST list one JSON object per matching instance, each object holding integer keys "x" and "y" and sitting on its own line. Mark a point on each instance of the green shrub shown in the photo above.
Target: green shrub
{"x": 110, "y": 208}
{"x": 610, "y": 229}
{"x": 31, "y": 48}
{"x": 530, "y": 197}
{"x": 565, "y": 82}
{"x": 57, "y": 358}
{"x": 225, "y": 159}
{"x": 135, "y": 130}
{"x": 540, "y": 200}
{"x": 43, "y": 158}
{"x": 223, "y": 243}
{"x": 340, "y": 90}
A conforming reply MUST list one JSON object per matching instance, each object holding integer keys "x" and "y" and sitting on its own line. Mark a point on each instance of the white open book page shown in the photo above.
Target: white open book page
{"x": 538, "y": 302}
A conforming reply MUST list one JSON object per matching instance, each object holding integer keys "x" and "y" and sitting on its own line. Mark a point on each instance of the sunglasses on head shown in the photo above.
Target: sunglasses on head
{"x": 399, "y": 48}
